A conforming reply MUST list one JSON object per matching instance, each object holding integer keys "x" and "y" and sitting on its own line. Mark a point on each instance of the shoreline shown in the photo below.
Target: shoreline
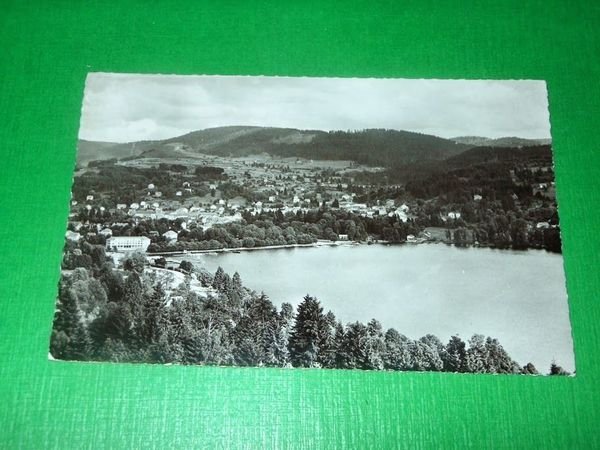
{"x": 266, "y": 247}
{"x": 330, "y": 244}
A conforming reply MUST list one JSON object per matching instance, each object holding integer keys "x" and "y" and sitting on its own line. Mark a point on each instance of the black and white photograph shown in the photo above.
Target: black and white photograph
{"x": 324, "y": 223}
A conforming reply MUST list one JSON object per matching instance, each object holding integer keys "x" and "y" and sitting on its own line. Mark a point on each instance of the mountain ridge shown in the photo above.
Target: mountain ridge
{"x": 376, "y": 147}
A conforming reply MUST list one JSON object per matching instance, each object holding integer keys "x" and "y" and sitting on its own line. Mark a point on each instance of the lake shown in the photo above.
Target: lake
{"x": 518, "y": 297}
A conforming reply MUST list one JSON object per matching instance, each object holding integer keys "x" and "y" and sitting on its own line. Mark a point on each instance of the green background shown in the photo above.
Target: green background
{"x": 46, "y": 50}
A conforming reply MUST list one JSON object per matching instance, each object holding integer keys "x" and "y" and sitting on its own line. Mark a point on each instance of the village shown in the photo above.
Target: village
{"x": 188, "y": 193}
{"x": 263, "y": 184}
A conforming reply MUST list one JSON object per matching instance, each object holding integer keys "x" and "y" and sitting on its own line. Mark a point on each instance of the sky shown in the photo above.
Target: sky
{"x": 133, "y": 107}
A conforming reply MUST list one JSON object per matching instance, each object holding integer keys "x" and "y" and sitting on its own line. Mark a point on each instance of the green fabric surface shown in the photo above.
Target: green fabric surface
{"x": 47, "y": 49}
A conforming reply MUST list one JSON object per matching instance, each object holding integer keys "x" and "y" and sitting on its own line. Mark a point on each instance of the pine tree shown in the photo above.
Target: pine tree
{"x": 455, "y": 356}
{"x": 529, "y": 369}
{"x": 79, "y": 347}
{"x": 339, "y": 337}
{"x": 251, "y": 333}
{"x": 59, "y": 342}
{"x": 218, "y": 279}
{"x": 397, "y": 354}
{"x": 355, "y": 346}
{"x": 205, "y": 278}
{"x": 309, "y": 334}
{"x": 115, "y": 350}
{"x": 555, "y": 369}
{"x": 277, "y": 353}
{"x": 375, "y": 346}
{"x": 477, "y": 355}
{"x": 66, "y": 318}
{"x": 498, "y": 359}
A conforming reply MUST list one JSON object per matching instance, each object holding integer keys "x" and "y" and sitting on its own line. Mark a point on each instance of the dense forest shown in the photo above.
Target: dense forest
{"x": 378, "y": 147}
{"x": 374, "y": 147}
{"x": 494, "y": 189}
{"x": 124, "y": 314}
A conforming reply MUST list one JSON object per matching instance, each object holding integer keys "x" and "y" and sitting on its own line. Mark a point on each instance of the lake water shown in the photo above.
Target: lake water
{"x": 518, "y": 297}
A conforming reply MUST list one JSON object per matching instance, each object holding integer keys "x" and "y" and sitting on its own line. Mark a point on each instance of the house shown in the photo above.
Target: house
{"x": 401, "y": 215}
{"x": 170, "y": 236}
{"x": 127, "y": 243}
{"x": 134, "y": 206}
{"x": 542, "y": 225}
{"x": 343, "y": 237}
{"x": 454, "y": 215}
{"x": 106, "y": 232}
{"x": 186, "y": 184}
{"x": 178, "y": 194}
{"x": 72, "y": 236}
{"x": 89, "y": 198}
{"x": 121, "y": 206}
{"x": 182, "y": 212}
{"x": 477, "y": 197}
{"x": 158, "y": 194}
{"x": 151, "y": 187}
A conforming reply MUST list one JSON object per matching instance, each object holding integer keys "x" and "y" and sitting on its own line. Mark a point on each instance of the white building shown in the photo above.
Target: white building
{"x": 106, "y": 232}
{"x": 127, "y": 243}
{"x": 170, "y": 236}
{"x": 72, "y": 236}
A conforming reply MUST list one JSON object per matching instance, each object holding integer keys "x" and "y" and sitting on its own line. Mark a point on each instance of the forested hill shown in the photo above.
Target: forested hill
{"x": 480, "y": 141}
{"x": 492, "y": 158}
{"x": 376, "y": 147}
{"x": 479, "y": 155}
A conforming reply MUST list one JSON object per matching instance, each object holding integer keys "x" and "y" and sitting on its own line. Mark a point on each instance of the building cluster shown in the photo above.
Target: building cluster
{"x": 289, "y": 185}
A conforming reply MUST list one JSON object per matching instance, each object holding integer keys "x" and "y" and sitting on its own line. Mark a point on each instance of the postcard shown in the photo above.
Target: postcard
{"x": 330, "y": 223}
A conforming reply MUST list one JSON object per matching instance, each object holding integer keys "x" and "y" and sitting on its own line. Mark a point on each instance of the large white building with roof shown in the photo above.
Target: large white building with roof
{"x": 127, "y": 243}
